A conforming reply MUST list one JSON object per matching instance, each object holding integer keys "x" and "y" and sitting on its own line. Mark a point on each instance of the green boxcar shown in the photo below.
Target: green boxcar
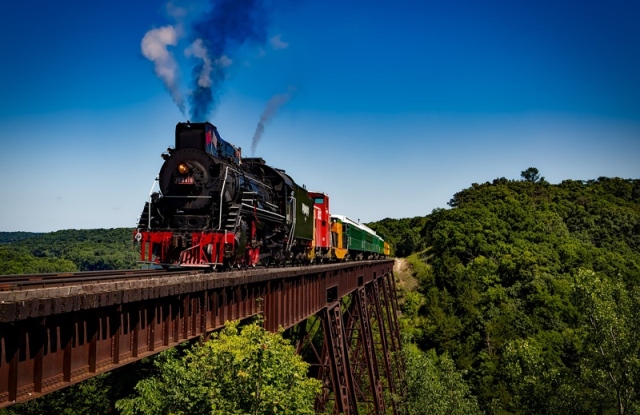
{"x": 304, "y": 213}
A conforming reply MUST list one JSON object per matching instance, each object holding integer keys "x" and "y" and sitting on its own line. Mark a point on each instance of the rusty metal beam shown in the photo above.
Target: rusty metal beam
{"x": 392, "y": 308}
{"x": 366, "y": 336}
{"x": 341, "y": 376}
{"x": 383, "y": 351}
{"x": 352, "y": 352}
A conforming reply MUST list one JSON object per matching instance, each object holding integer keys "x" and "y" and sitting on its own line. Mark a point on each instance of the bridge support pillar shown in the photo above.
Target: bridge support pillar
{"x": 353, "y": 346}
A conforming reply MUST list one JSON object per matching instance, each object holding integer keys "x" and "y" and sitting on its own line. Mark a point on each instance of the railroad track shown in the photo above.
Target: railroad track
{"x": 62, "y": 279}
{"x": 16, "y": 282}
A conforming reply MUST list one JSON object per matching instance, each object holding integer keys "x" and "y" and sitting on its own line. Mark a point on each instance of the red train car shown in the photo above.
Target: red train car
{"x": 322, "y": 227}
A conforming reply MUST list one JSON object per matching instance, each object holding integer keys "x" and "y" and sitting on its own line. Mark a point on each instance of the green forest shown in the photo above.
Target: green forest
{"x": 66, "y": 250}
{"x": 521, "y": 297}
{"x": 532, "y": 290}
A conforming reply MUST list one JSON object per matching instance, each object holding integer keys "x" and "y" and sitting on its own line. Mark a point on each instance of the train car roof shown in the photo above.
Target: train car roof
{"x": 351, "y": 222}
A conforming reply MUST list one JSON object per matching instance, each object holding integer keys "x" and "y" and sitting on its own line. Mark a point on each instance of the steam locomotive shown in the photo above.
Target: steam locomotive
{"x": 217, "y": 209}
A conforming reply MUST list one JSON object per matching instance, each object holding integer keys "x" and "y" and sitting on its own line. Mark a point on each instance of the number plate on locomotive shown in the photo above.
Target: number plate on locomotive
{"x": 183, "y": 180}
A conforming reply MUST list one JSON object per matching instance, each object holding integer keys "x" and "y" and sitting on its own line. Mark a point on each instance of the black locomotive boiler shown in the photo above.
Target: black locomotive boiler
{"x": 215, "y": 208}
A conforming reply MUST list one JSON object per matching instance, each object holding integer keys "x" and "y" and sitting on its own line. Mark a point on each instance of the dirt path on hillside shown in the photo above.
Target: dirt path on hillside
{"x": 404, "y": 275}
{"x": 400, "y": 265}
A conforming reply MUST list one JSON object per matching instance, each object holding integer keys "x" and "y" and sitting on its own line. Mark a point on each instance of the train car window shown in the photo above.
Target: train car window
{"x": 318, "y": 201}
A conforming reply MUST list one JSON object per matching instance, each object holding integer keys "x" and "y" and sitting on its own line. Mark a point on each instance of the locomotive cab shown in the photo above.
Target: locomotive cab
{"x": 204, "y": 136}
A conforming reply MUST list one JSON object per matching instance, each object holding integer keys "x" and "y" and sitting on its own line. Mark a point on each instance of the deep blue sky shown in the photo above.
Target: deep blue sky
{"x": 397, "y": 105}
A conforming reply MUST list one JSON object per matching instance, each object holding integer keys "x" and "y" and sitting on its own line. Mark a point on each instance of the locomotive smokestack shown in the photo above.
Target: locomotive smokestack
{"x": 270, "y": 110}
{"x": 227, "y": 26}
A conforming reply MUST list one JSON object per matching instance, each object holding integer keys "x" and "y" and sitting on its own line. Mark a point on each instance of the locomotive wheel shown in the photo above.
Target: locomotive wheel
{"x": 230, "y": 263}
{"x": 266, "y": 261}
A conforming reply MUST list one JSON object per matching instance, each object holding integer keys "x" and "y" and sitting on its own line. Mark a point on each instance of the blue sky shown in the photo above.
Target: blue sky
{"x": 396, "y": 105}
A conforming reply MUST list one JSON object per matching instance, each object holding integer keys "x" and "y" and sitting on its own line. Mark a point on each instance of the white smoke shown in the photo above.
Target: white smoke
{"x": 154, "y": 47}
{"x": 224, "y": 61}
{"x": 277, "y": 43}
{"x": 198, "y": 50}
{"x": 176, "y": 10}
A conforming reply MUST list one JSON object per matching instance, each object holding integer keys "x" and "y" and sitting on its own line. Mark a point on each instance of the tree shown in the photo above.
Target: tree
{"x": 531, "y": 175}
{"x": 500, "y": 297}
{"x": 435, "y": 386}
{"x": 610, "y": 325}
{"x": 247, "y": 371}
{"x": 88, "y": 397}
{"x": 19, "y": 261}
{"x": 88, "y": 249}
{"x": 539, "y": 385}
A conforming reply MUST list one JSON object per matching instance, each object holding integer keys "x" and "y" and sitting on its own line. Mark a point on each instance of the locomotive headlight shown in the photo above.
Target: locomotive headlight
{"x": 183, "y": 168}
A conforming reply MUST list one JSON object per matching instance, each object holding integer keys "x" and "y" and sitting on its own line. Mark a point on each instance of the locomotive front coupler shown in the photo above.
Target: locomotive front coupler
{"x": 181, "y": 240}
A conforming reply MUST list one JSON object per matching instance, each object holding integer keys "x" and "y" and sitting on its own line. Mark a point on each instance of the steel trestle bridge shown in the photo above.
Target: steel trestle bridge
{"x": 59, "y": 330}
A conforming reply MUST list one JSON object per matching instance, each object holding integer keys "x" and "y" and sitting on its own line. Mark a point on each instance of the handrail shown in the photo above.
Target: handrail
{"x": 149, "y": 207}
{"x": 224, "y": 182}
{"x": 293, "y": 224}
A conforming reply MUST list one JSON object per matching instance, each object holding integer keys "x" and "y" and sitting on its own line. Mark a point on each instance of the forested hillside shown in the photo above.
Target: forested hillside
{"x": 67, "y": 250}
{"x": 8, "y": 237}
{"x": 533, "y": 290}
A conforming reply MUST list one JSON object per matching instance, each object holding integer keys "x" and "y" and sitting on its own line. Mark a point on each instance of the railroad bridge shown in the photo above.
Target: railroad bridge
{"x": 56, "y": 332}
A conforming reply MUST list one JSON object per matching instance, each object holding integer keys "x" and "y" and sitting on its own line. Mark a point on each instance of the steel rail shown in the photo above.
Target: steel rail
{"x": 12, "y": 282}
{"x": 29, "y": 281}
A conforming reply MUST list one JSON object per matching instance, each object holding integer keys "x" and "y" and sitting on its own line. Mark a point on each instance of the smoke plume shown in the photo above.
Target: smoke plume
{"x": 269, "y": 112}
{"x": 199, "y": 51}
{"x": 154, "y": 47}
{"x": 214, "y": 35}
{"x": 229, "y": 25}
{"x": 277, "y": 43}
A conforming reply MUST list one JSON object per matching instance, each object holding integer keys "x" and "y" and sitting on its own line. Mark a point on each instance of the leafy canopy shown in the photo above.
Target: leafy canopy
{"x": 238, "y": 371}
{"x": 69, "y": 250}
{"x": 532, "y": 290}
